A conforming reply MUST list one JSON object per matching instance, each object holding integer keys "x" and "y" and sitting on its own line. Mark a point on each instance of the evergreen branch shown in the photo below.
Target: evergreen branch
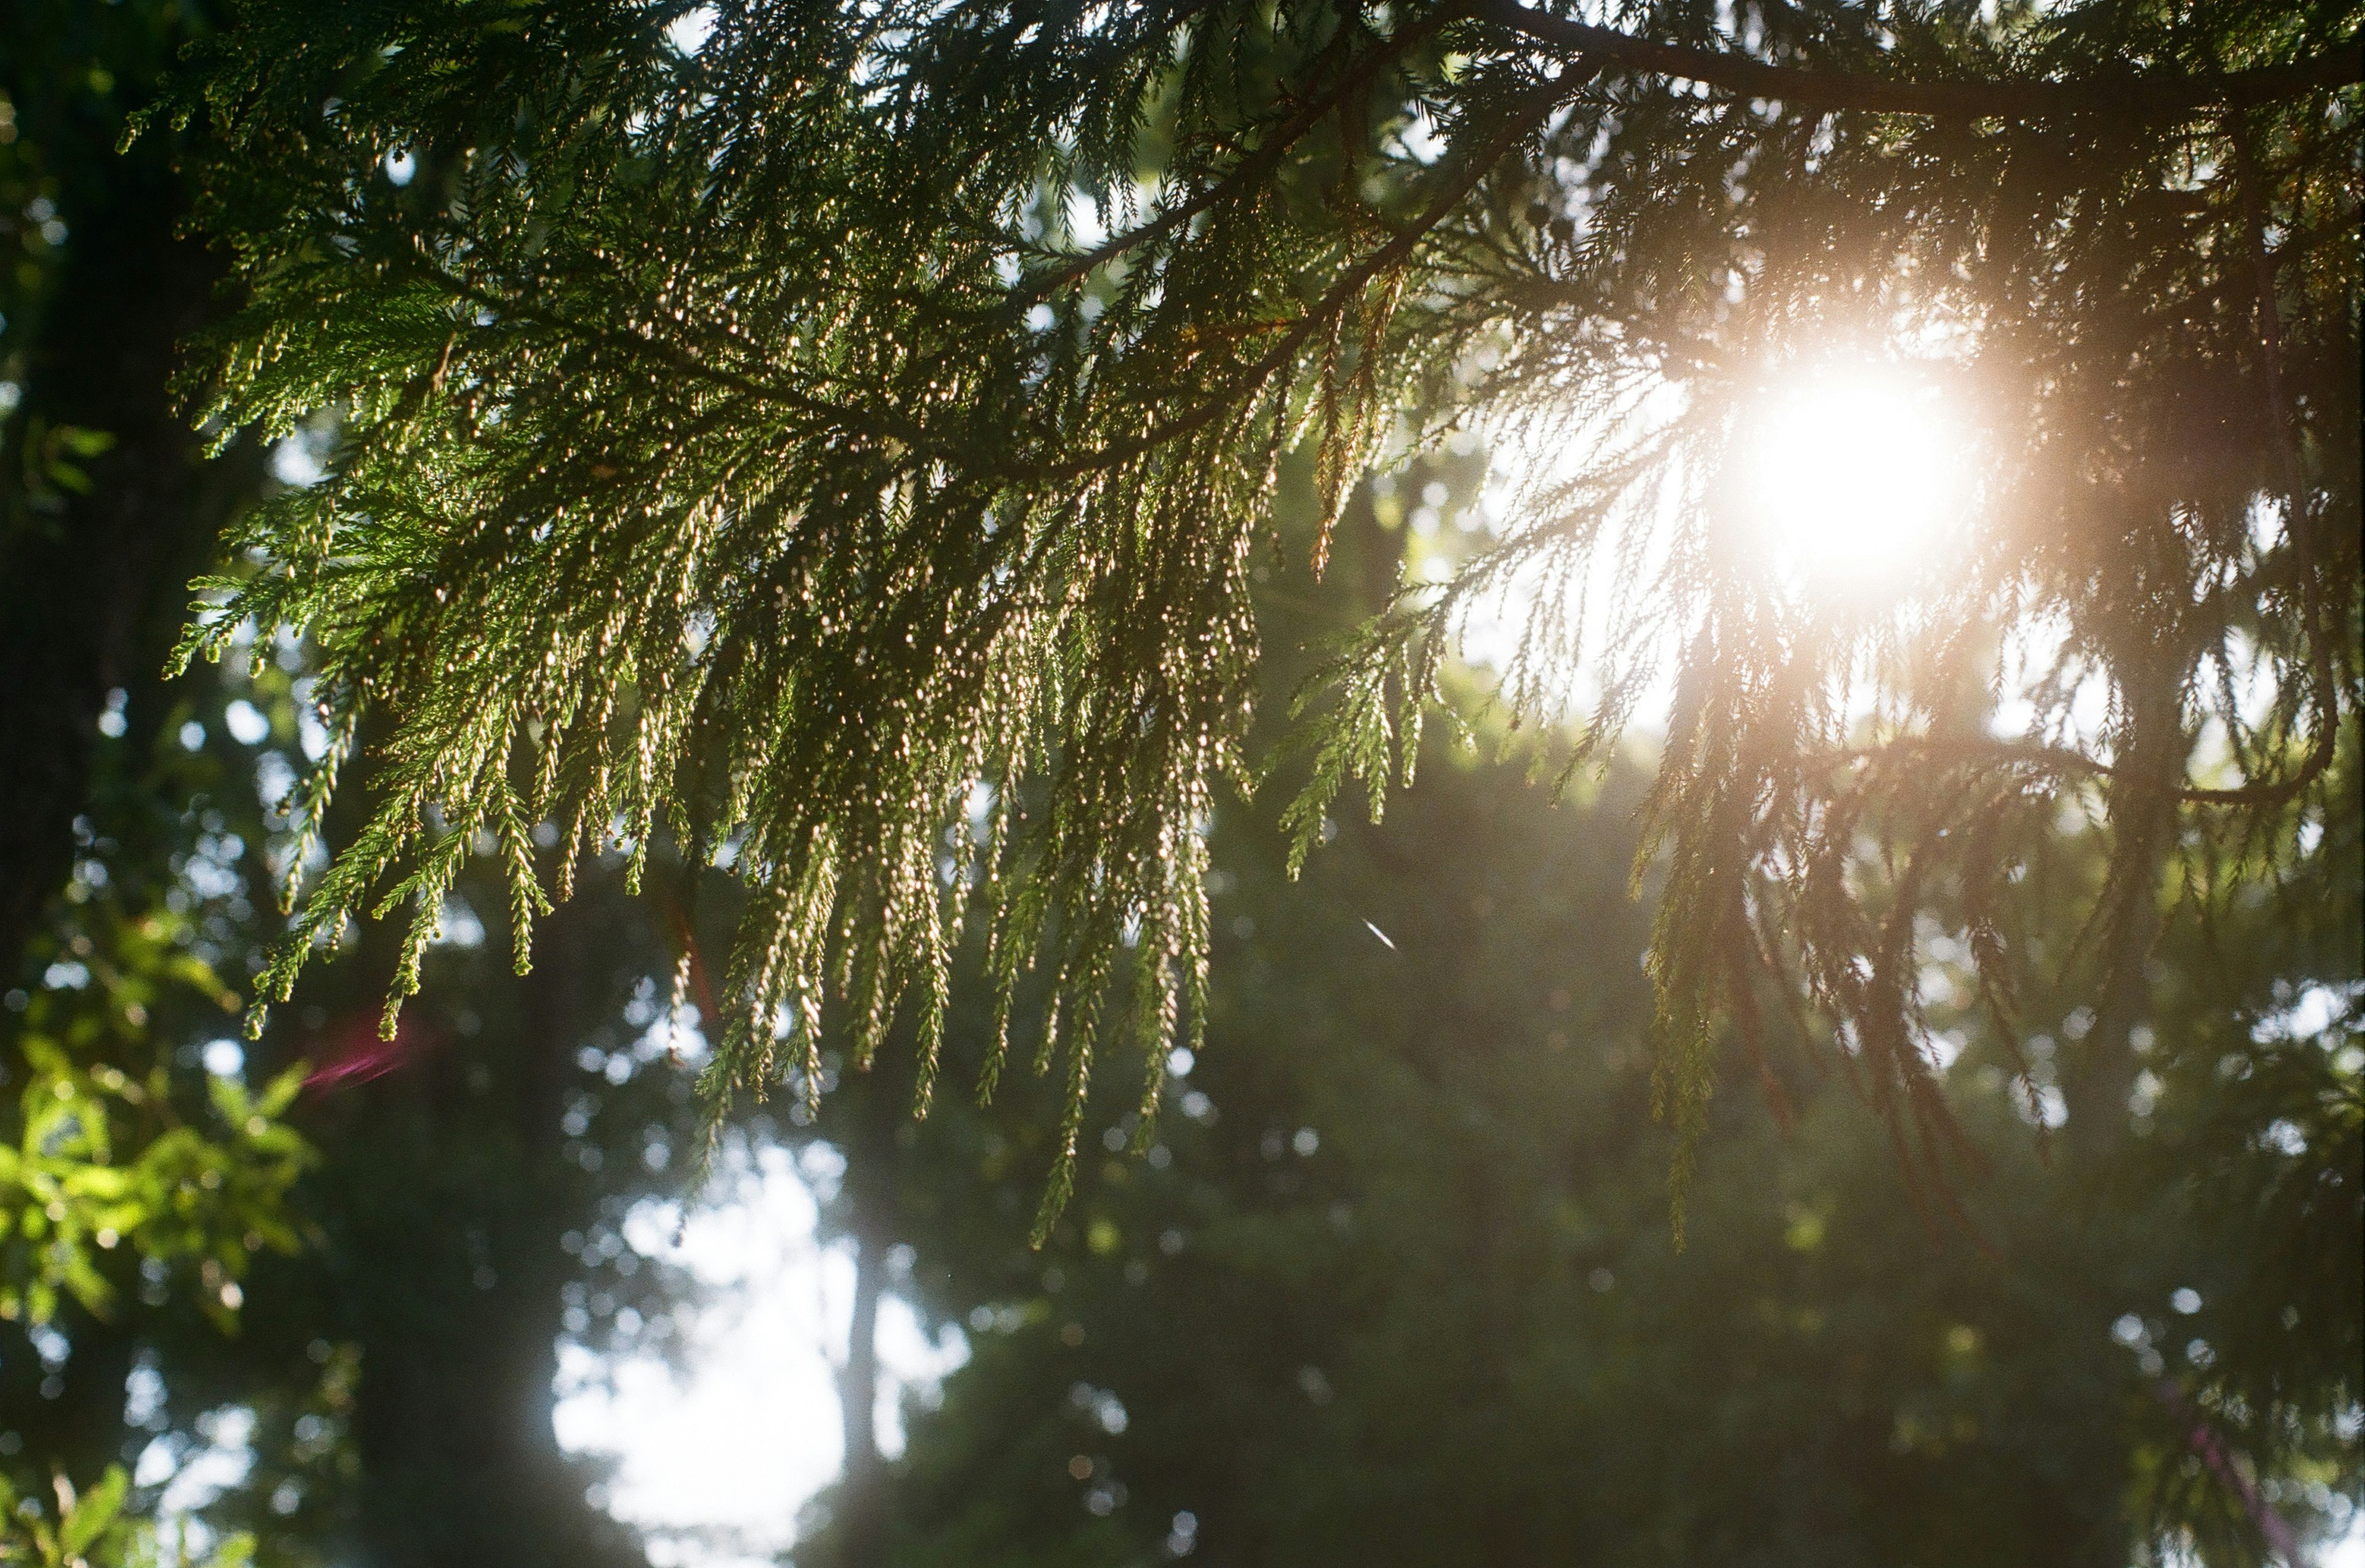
{"x": 1518, "y": 123}
{"x": 2156, "y": 95}
{"x": 1251, "y": 170}
{"x": 727, "y": 436}
{"x": 665, "y": 355}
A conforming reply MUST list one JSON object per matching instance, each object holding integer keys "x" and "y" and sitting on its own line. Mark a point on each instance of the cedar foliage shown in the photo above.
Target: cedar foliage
{"x": 843, "y": 446}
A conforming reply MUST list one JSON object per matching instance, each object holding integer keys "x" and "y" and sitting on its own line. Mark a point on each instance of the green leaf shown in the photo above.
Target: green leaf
{"x": 94, "y": 1512}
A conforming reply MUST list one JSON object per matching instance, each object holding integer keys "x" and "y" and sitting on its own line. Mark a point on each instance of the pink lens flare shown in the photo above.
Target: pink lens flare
{"x": 355, "y": 1054}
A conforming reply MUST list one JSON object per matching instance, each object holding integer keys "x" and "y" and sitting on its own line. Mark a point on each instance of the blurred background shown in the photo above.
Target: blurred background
{"x": 1395, "y": 1282}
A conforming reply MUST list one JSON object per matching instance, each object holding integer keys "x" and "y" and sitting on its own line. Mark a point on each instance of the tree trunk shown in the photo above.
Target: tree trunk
{"x": 2098, "y": 1073}
{"x": 860, "y": 1493}
{"x": 94, "y": 581}
{"x": 452, "y": 1199}
{"x": 876, "y": 1101}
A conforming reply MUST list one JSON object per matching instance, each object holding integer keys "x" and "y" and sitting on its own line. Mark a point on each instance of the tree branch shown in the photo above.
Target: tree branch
{"x": 2145, "y": 97}
{"x": 2057, "y": 760}
{"x": 1520, "y": 121}
{"x": 1244, "y": 175}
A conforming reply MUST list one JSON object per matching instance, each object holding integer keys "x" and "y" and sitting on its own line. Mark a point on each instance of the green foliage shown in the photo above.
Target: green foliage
{"x": 133, "y": 1187}
{"x": 119, "y": 1149}
{"x": 134, "y": 1182}
{"x": 842, "y": 447}
{"x": 488, "y": 1151}
{"x": 202, "y": 1197}
{"x": 53, "y": 460}
{"x": 91, "y": 1530}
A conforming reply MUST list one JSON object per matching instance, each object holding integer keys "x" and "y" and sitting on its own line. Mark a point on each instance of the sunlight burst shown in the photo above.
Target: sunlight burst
{"x": 1852, "y": 477}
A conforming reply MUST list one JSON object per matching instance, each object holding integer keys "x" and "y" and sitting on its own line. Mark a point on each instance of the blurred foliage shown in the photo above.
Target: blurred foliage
{"x": 181, "y": 1198}
{"x": 91, "y": 1528}
{"x": 350, "y": 1293}
{"x": 1394, "y": 1282}
{"x": 113, "y": 1144}
{"x": 1395, "y": 1285}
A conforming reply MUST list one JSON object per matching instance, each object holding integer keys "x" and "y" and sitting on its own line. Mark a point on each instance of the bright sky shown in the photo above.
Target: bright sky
{"x": 715, "y": 1462}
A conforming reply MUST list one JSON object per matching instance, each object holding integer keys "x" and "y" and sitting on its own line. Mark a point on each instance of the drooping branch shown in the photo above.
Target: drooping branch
{"x": 2144, "y": 96}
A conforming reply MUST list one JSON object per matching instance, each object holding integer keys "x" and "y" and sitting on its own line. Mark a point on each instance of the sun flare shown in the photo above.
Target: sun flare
{"x": 1852, "y": 477}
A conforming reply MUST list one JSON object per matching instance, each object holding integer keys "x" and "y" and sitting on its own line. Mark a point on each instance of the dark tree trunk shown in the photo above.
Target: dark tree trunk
{"x": 877, "y": 1102}
{"x": 94, "y": 582}
{"x": 861, "y": 1494}
{"x": 452, "y": 1277}
{"x": 72, "y": 1418}
{"x": 2098, "y": 1073}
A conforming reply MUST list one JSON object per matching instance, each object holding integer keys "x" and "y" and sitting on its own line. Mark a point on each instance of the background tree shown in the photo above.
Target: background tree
{"x": 1405, "y": 1291}
{"x": 1456, "y": 1323}
{"x": 388, "y": 1382}
{"x": 126, "y": 1178}
{"x": 107, "y": 506}
{"x": 401, "y": 1371}
{"x": 1394, "y": 1286}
